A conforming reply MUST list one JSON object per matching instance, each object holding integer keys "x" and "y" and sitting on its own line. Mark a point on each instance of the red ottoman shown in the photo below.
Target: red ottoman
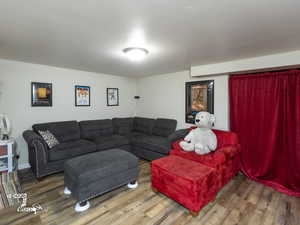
{"x": 187, "y": 182}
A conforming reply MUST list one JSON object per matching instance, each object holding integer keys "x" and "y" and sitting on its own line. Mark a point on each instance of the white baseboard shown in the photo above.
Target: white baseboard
{"x": 23, "y": 166}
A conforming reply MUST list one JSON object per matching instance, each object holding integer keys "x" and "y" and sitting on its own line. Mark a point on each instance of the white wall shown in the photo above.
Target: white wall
{"x": 262, "y": 63}
{"x": 15, "y": 97}
{"x": 164, "y": 96}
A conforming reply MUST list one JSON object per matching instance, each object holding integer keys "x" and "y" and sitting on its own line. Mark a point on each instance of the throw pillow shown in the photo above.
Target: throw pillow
{"x": 49, "y": 138}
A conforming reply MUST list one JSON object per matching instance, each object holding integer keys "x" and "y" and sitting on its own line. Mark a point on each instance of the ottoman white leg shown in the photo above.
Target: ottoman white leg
{"x": 67, "y": 191}
{"x": 82, "y": 206}
{"x": 132, "y": 185}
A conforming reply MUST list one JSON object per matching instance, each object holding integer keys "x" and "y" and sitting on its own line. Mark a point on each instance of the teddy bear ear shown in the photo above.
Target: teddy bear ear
{"x": 212, "y": 118}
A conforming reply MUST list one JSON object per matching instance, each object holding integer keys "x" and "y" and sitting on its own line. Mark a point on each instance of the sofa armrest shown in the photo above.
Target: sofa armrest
{"x": 229, "y": 151}
{"x": 177, "y": 135}
{"x": 37, "y": 150}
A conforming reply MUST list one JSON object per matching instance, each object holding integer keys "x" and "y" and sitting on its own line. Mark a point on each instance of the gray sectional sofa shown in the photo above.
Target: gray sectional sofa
{"x": 146, "y": 138}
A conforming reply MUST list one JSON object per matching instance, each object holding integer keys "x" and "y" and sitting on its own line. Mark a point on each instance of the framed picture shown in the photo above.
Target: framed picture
{"x": 82, "y": 95}
{"x": 199, "y": 96}
{"x": 112, "y": 95}
{"x": 41, "y": 94}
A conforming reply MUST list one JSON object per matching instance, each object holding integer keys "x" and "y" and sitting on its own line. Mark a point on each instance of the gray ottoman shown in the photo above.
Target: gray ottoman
{"x": 96, "y": 173}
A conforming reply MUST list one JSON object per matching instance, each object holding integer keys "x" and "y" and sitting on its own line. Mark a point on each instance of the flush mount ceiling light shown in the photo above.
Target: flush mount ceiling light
{"x": 135, "y": 54}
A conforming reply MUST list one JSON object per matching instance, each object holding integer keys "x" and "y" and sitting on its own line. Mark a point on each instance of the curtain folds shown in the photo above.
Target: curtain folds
{"x": 265, "y": 113}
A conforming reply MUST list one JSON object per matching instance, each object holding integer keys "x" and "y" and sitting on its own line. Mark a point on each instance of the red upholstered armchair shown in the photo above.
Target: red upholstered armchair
{"x": 225, "y": 159}
{"x": 194, "y": 180}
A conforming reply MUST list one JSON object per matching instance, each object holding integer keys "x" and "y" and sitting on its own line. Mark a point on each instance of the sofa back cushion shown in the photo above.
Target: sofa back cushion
{"x": 143, "y": 125}
{"x": 122, "y": 126}
{"x": 226, "y": 138}
{"x": 164, "y": 127}
{"x": 91, "y": 129}
{"x": 63, "y": 131}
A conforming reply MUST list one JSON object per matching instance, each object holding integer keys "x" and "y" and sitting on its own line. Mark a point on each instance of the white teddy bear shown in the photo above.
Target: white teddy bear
{"x": 202, "y": 140}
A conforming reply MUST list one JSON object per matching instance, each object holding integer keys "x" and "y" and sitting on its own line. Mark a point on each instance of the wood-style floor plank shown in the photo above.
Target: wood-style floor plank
{"x": 240, "y": 202}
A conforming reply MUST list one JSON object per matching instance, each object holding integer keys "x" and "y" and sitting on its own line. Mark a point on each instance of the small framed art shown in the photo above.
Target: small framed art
{"x": 41, "y": 94}
{"x": 112, "y": 95}
{"x": 199, "y": 96}
{"x": 82, "y": 95}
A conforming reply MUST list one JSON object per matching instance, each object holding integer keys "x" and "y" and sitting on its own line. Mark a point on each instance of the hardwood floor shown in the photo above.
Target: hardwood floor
{"x": 240, "y": 202}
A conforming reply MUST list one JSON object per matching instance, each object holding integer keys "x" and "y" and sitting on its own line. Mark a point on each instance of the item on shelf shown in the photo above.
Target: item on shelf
{"x": 7, "y": 155}
{"x": 5, "y": 127}
{"x": 3, "y": 149}
{"x": 2, "y": 163}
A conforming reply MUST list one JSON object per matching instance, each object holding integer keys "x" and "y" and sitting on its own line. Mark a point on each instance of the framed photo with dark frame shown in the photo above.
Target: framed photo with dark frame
{"x": 112, "y": 95}
{"x": 41, "y": 94}
{"x": 82, "y": 95}
{"x": 199, "y": 96}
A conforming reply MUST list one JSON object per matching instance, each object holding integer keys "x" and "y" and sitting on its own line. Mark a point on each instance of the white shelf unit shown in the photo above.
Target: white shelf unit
{"x": 7, "y": 154}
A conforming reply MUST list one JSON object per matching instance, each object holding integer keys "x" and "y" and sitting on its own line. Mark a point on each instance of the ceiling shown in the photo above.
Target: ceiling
{"x": 90, "y": 35}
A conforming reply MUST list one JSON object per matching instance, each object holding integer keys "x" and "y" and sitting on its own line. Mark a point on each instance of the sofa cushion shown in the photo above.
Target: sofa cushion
{"x": 152, "y": 143}
{"x": 143, "y": 125}
{"x": 107, "y": 142}
{"x": 213, "y": 159}
{"x": 122, "y": 126}
{"x": 226, "y": 138}
{"x": 164, "y": 127}
{"x": 64, "y": 131}
{"x": 136, "y": 135}
{"x": 91, "y": 129}
{"x": 71, "y": 149}
{"x": 145, "y": 153}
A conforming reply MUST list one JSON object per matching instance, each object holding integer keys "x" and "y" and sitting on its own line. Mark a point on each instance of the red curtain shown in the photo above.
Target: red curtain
{"x": 265, "y": 113}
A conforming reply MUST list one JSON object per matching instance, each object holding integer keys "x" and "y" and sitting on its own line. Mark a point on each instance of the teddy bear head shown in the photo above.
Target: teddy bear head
{"x": 204, "y": 119}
